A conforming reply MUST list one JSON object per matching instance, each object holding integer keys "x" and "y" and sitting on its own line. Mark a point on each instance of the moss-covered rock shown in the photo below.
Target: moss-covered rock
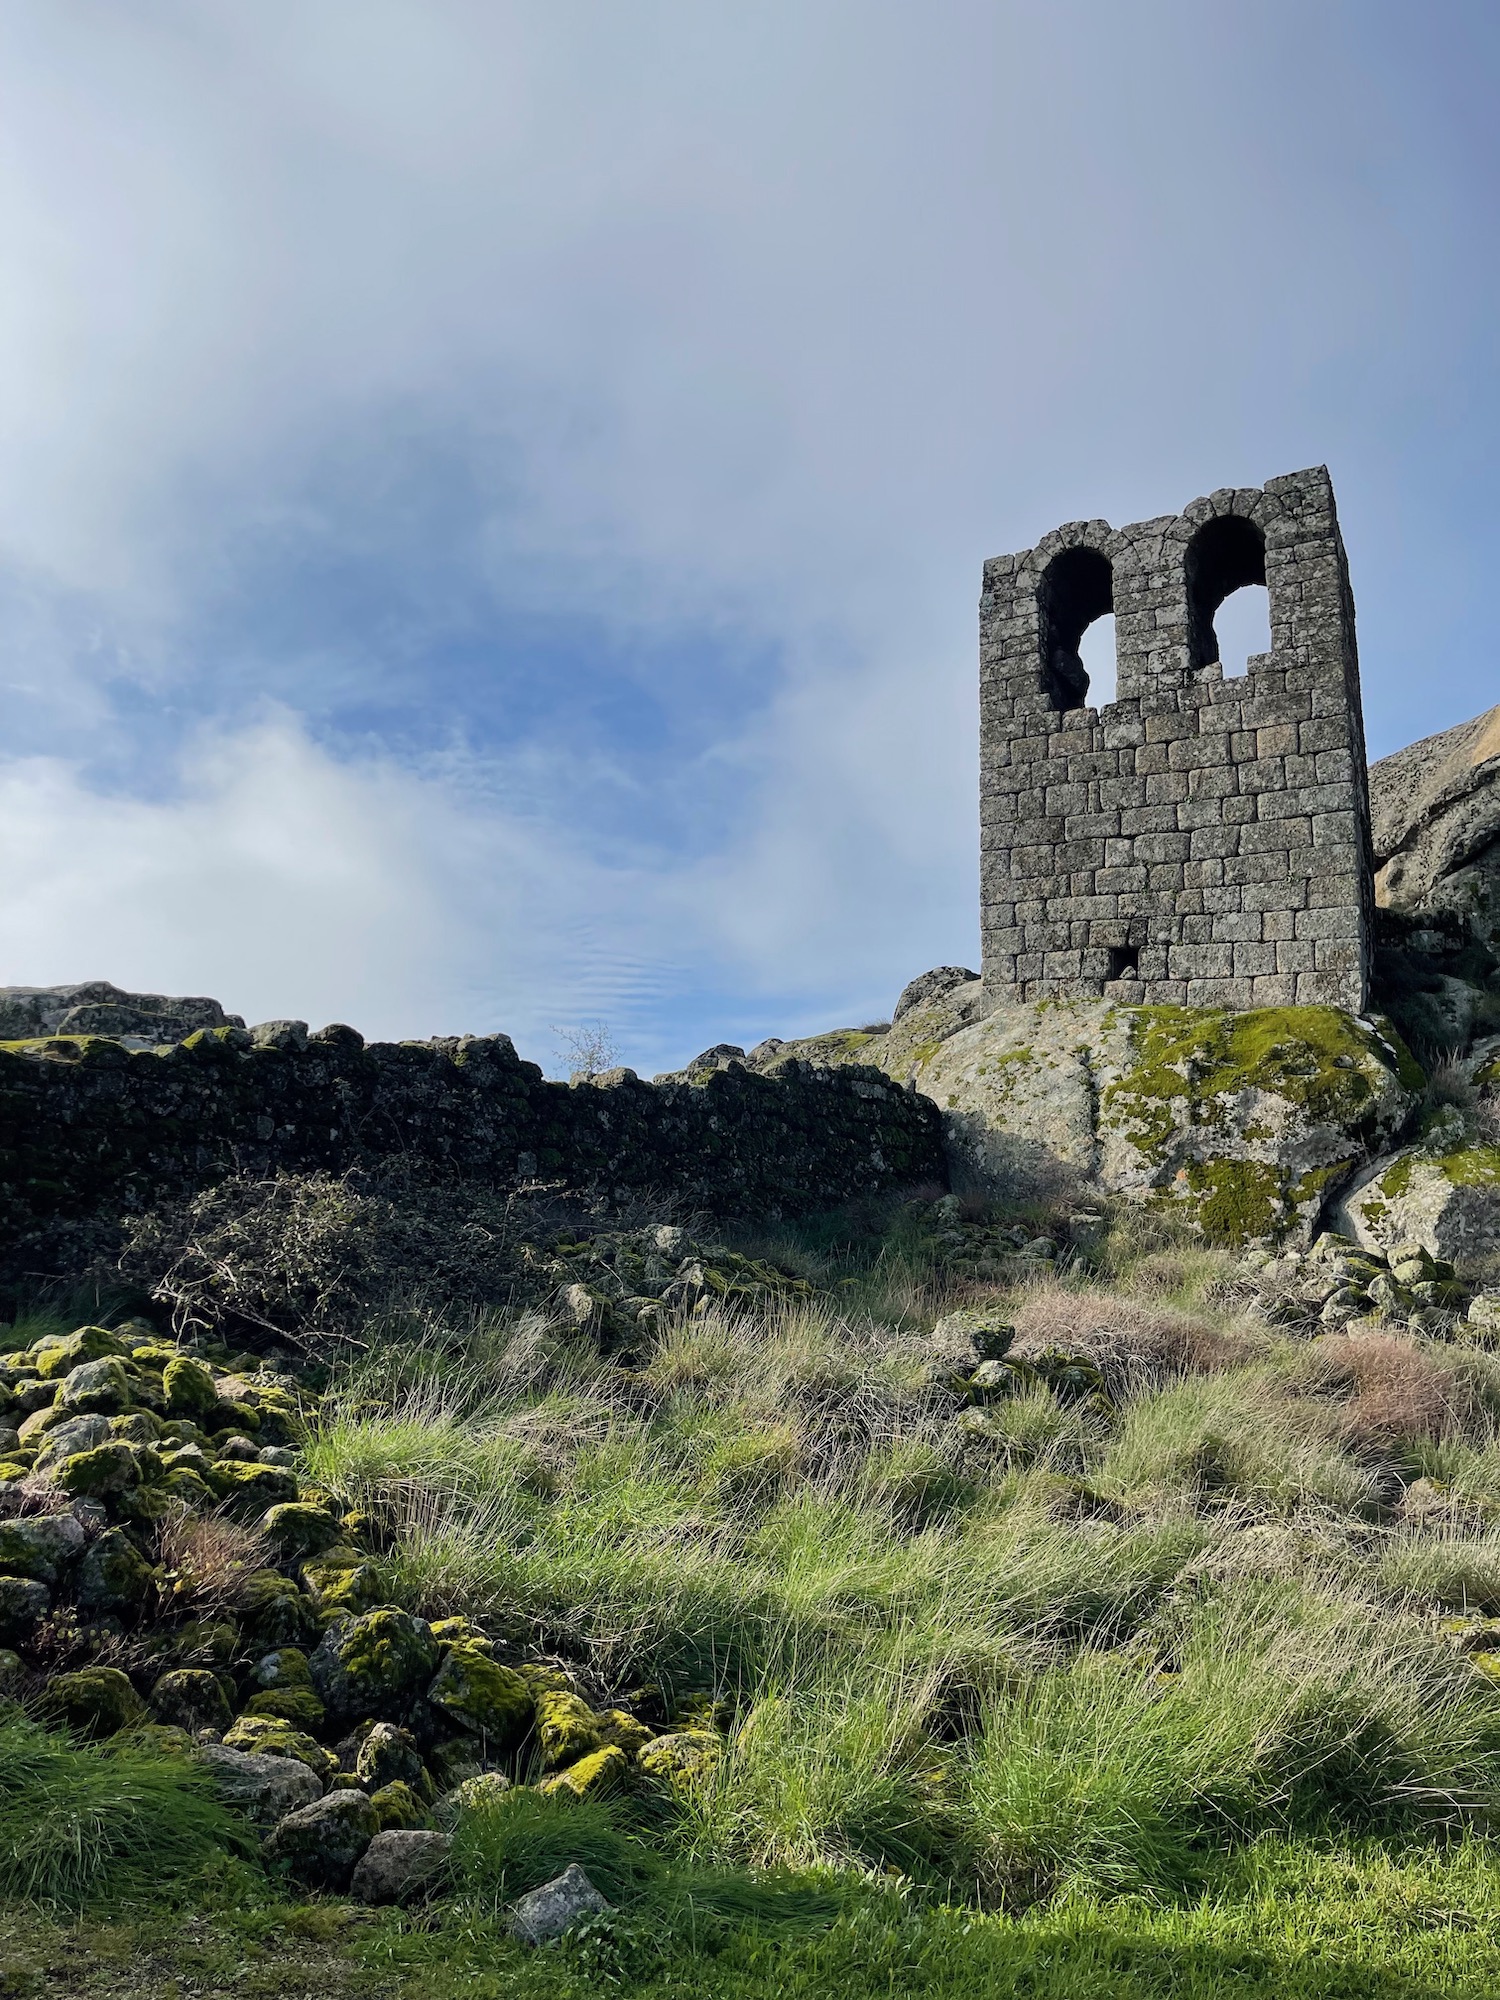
{"x": 301, "y": 1706}
{"x": 488, "y": 1700}
{"x": 114, "y": 1575}
{"x": 343, "y": 1581}
{"x": 1246, "y": 1122}
{"x": 297, "y": 1529}
{"x": 461, "y": 1631}
{"x": 54, "y": 1359}
{"x": 319, "y": 1844}
{"x": 1449, "y": 1203}
{"x": 95, "y": 1388}
{"x": 267, "y": 1736}
{"x": 251, "y": 1488}
{"x": 100, "y": 1474}
{"x": 684, "y": 1756}
{"x": 388, "y": 1754}
{"x": 375, "y": 1665}
{"x": 397, "y": 1805}
{"x": 273, "y": 1610}
{"x": 40, "y": 1546}
{"x": 191, "y": 1698}
{"x": 166, "y": 1737}
{"x": 1243, "y": 1122}
{"x": 566, "y": 1728}
{"x": 282, "y": 1667}
{"x": 188, "y": 1387}
{"x": 22, "y": 1602}
{"x": 594, "y": 1776}
{"x": 615, "y": 1726}
{"x": 189, "y": 1489}
{"x": 93, "y": 1701}
{"x": 135, "y": 1427}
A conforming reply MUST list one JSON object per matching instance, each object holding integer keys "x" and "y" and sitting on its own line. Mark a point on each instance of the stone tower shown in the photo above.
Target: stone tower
{"x": 1201, "y": 841}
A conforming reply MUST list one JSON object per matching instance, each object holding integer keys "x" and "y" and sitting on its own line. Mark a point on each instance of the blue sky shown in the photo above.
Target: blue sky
{"x": 493, "y": 497}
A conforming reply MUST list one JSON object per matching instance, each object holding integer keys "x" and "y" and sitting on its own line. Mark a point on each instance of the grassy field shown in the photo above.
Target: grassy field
{"x": 1174, "y": 1677}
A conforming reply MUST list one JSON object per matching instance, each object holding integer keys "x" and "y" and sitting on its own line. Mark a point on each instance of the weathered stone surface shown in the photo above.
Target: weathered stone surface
{"x": 934, "y": 985}
{"x": 492, "y": 1702}
{"x": 399, "y": 1866}
{"x": 190, "y": 1698}
{"x": 1448, "y": 1202}
{"x": 374, "y": 1666}
{"x": 1247, "y": 1122}
{"x": 320, "y": 1844}
{"x": 554, "y": 1908}
{"x": 265, "y": 1789}
{"x": 269, "y": 1736}
{"x": 64, "y": 1440}
{"x": 1435, "y": 820}
{"x": 114, "y": 1576}
{"x": 93, "y": 1701}
{"x": 387, "y": 1756}
{"x": 296, "y": 1528}
{"x": 22, "y": 1602}
{"x": 95, "y": 1388}
{"x": 97, "y": 1008}
{"x": 40, "y": 1545}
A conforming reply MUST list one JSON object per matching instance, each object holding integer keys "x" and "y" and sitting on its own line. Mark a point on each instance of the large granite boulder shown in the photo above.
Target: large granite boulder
{"x": 1435, "y": 826}
{"x": 1447, "y": 1202}
{"x": 1245, "y": 1123}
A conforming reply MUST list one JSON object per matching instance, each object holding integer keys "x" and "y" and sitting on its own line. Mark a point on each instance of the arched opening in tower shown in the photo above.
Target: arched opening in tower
{"x": 1077, "y": 597}
{"x": 1229, "y": 619}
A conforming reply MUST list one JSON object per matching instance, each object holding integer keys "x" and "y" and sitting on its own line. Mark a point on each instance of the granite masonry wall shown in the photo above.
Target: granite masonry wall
{"x": 91, "y": 1128}
{"x": 1201, "y": 841}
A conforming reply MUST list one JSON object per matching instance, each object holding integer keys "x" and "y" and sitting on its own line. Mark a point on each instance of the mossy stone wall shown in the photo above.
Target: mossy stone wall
{"x": 88, "y": 1127}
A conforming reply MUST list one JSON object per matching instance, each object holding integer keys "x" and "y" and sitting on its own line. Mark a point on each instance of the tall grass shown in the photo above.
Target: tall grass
{"x": 1081, "y": 1644}
{"x": 80, "y": 1821}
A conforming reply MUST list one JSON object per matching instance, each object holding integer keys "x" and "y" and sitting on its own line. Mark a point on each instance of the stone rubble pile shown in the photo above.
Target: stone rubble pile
{"x": 349, "y": 1730}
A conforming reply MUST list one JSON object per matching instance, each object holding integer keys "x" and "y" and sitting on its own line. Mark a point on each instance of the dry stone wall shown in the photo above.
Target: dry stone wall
{"x": 90, "y": 1128}
{"x": 1200, "y": 841}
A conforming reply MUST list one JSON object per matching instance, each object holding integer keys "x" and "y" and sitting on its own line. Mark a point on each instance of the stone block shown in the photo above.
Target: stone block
{"x": 1253, "y": 960}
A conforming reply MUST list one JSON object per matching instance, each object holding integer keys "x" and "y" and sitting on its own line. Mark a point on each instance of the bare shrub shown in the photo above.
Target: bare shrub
{"x": 207, "y": 1559}
{"x": 313, "y": 1258}
{"x": 586, "y": 1049}
{"x": 1393, "y": 1391}
{"x": 1135, "y": 1346}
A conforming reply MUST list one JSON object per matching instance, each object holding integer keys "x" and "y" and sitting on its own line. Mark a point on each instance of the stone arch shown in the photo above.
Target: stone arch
{"x": 1224, "y": 554}
{"x": 1076, "y": 587}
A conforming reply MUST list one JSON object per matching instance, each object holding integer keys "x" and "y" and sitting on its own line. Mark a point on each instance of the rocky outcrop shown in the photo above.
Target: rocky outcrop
{"x": 1435, "y": 825}
{"x": 1245, "y": 1122}
{"x": 1449, "y": 1202}
{"x": 140, "y": 1020}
